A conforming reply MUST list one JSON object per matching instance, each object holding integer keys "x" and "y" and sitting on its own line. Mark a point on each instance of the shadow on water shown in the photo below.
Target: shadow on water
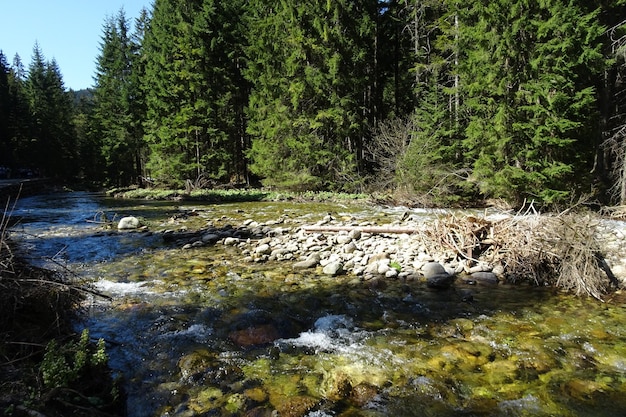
{"x": 197, "y": 332}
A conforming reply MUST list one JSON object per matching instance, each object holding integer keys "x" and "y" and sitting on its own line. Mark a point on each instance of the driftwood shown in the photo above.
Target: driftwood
{"x": 362, "y": 229}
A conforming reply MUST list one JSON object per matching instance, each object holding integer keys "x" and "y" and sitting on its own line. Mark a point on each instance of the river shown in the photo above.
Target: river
{"x": 201, "y": 332}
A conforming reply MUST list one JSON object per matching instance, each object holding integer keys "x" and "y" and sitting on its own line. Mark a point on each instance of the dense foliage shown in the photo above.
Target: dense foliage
{"x": 441, "y": 98}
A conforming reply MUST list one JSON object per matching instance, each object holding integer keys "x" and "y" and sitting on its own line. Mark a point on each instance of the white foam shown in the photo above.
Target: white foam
{"x": 113, "y": 287}
{"x": 197, "y": 332}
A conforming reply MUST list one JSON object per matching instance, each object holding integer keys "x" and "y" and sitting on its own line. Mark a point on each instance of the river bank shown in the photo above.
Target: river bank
{"x": 46, "y": 369}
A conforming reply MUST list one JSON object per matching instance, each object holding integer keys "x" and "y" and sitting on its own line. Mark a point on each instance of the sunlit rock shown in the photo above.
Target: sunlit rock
{"x": 432, "y": 269}
{"x": 263, "y": 249}
{"x": 129, "y": 222}
{"x": 333, "y": 268}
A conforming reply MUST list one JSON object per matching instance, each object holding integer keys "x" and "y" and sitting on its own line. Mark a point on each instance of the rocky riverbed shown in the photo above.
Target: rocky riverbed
{"x": 406, "y": 248}
{"x": 227, "y": 326}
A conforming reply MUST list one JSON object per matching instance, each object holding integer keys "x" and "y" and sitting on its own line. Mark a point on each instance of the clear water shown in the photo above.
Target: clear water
{"x": 199, "y": 332}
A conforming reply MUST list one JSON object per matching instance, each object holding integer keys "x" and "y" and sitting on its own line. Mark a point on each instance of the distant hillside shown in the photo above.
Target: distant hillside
{"x": 86, "y": 94}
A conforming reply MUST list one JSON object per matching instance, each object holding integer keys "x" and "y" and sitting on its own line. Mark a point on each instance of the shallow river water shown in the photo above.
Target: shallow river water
{"x": 200, "y": 332}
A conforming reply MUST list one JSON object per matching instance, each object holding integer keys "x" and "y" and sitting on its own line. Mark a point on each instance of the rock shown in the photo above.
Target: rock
{"x": 485, "y": 278}
{"x": 354, "y": 234}
{"x": 343, "y": 239}
{"x": 256, "y": 394}
{"x": 350, "y": 248}
{"x": 362, "y": 394}
{"x": 391, "y": 273}
{"x": 210, "y": 238}
{"x": 263, "y": 249}
{"x": 255, "y": 335}
{"x": 231, "y": 241}
{"x": 297, "y": 406}
{"x": 333, "y": 268}
{"x": 337, "y": 386}
{"x": 129, "y": 222}
{"x": 196, "y": 362}
{"x": 310, "y": 262}
{"x": 432, "y": 269}
{"x": 440, "y": 281}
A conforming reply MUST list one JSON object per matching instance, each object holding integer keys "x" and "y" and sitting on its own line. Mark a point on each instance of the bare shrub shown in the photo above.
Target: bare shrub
{"x": 387, "y": 147}
{"x": 558, "y": 250}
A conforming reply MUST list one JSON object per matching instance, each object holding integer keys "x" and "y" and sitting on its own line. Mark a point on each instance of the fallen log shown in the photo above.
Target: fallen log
{"x": 362, "y": 229}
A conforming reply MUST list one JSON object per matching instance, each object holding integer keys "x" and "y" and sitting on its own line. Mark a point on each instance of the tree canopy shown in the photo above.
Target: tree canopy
{"x": 441, "y": 98}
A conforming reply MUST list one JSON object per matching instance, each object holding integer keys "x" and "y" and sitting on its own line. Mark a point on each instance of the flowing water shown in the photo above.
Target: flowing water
{"x": 200, "y": 332}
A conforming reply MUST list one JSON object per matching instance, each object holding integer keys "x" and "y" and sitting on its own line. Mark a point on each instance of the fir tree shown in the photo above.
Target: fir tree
{"x": 190, "y": 76}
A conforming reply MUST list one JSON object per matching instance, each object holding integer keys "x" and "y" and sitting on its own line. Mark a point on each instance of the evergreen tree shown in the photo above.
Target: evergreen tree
{"x": 6, "y": 150}
{"x": 611, "y": 157}
{"x": 527, "y": 86}
{"x": 19, "y": 120}
{"x": 192, "y": 67}
{"x": 432, "y": 164}
{"x": 314, "y": 76}
{"x": 52, "y": 150}
{"x": 114, "y": 100}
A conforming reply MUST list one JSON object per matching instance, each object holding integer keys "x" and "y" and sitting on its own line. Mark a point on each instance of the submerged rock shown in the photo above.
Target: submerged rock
{"x": 195, "y": 363}
{"x": 363, "y": 393}
{"x": 440, "y": 281}
{"x": 256, "y": 335}
{"x": 297, "y": 406}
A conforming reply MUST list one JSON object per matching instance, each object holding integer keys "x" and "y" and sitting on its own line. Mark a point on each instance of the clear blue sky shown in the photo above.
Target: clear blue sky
{"x": 67, "y": 30}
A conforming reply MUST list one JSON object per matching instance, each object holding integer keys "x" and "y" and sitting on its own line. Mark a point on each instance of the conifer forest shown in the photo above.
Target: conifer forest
{"x": 456, "y": 100}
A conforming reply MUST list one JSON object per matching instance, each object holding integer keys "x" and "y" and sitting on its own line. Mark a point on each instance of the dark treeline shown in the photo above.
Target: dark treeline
{"x": 454, "y": 100}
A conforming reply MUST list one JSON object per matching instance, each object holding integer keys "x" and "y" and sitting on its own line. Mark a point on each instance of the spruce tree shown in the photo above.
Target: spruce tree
{"x": 314, "y": 74}
{"x": 6, "y": 150}
{"x": 191, "y": 68}
{"x": 527, "y": 73}
{"x": 52, "y": 149}
{"x": 114, "y": 101}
